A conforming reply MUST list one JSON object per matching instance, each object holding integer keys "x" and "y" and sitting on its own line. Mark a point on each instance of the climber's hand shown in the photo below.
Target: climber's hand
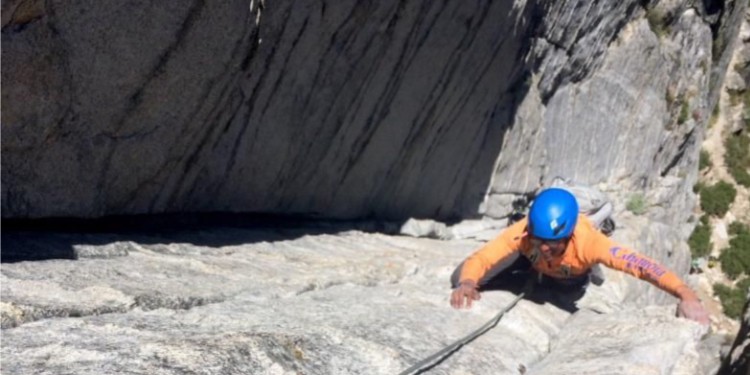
{"x": 693, "y": 309}
{"x": 466, "y": 290}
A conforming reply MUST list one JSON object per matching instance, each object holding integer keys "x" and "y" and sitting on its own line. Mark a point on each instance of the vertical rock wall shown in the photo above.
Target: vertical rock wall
{"x": 351, "y": 109}
{"x": 628, "y": 117}
{"x": 347, "y": 109}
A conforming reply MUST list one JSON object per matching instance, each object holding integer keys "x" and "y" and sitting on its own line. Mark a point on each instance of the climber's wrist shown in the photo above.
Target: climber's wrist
{"x": 468, "y": 284}
{"x": 684, "y": 293}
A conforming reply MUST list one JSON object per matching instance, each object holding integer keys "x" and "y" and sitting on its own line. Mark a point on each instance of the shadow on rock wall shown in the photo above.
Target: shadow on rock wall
{"x": 45, "y": 239}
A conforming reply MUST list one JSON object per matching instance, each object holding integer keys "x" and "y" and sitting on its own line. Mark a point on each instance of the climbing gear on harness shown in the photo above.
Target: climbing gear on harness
{"x": 608, "y": 226}
{"x": 553, "y": 214}
{"x": 440, "y": 355}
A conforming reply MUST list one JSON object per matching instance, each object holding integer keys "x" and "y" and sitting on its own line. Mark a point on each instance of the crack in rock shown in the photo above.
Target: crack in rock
{"x": 159, "y": 301}
{"x": 13, "y": 315}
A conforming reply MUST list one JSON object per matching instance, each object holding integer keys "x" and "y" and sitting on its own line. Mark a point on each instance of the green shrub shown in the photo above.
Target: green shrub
{"x": 704, "y": 220}
{"x": 738, "y": 229}
{"x": 698, "y": 187}
{"x": 732, "y": 298}
{"x": 636, "y": 204}
{"x": 735, "y": 259}
{"x": 658, "y": 22}
{"x": 704, "y": 161}
{"x": 731, "y": 264}
{"x": 684, "y": 112}
{"x": 700, "y": 239}
{"x": 737, "y": 157}
{"x": 716, "y": 199}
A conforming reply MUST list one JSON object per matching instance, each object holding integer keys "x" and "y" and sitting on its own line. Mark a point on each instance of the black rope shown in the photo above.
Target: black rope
{"x": 446, "y": 352}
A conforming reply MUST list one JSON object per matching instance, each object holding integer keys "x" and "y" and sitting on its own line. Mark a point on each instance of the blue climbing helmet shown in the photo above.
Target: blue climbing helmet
{"x": 553, "y": 214}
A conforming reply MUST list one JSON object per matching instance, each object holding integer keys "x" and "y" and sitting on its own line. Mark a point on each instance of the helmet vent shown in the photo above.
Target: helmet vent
{"x": 557, "y": 229}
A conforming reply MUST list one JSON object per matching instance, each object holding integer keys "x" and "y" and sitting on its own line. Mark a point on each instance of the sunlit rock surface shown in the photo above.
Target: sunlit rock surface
{"x": 317, "y": 302}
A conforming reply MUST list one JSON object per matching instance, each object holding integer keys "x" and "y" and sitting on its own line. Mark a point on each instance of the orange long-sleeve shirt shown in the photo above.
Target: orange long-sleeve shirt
{"x": 586, "y": 247}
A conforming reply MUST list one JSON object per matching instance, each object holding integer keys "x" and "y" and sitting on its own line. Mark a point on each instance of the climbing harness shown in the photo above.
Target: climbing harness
{"x": 444, "y": 353}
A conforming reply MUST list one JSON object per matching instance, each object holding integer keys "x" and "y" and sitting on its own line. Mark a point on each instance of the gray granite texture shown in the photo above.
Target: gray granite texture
{"x": 349, "y": 109}
{"x": 238, "y": 301}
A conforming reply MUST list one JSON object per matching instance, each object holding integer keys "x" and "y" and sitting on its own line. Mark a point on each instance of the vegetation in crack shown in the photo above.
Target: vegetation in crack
{"x": 18, "y": 315}
{"x": 161, "y": 301}
{"x": 636, "y": 204}
{"x": 684, "y": 113}
{"x": 659, "y": 21}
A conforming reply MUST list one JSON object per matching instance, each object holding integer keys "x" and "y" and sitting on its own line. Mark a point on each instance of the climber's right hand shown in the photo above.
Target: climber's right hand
{"x": 690, "y": 306}
{"x": 466, "y": 290}
{"x": 694, "y": 310}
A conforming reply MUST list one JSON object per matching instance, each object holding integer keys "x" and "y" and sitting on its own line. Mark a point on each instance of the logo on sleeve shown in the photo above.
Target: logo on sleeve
{"x": 645, "y": 265}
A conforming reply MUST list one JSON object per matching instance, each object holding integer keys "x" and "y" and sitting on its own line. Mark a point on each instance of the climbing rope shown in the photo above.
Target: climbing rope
{"x": 441, "y": 355}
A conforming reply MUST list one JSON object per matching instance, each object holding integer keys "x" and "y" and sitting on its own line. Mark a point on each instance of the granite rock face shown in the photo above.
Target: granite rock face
{"x": 353, "y": 109}
{"x": 634, "y": 119}
{"x": 346, "y": 110}
{"x": 282, "y": 302}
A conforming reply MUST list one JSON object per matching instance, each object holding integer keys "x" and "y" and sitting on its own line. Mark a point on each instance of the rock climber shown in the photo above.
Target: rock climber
{"x": 563, "y": 245}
